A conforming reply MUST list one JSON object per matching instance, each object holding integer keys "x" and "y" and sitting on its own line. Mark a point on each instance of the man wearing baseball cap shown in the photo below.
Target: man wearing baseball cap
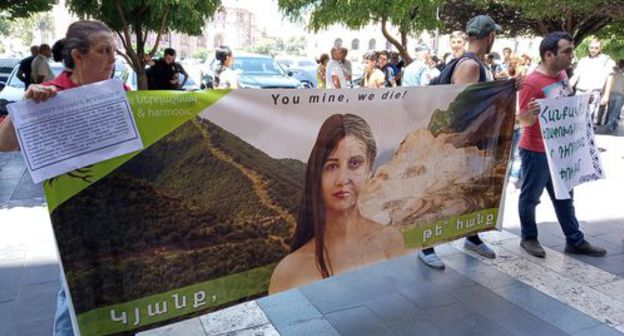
{"x": 481, "y": 31}
{"x": 481, "y": 26}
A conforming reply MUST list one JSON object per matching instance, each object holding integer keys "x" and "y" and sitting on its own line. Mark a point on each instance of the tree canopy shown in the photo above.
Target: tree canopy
{"x": 581, "y": 18}
{"x": 409, "y": 16}
{"x": 612, "y": 43}
{"x": 12, "y": 9}
{"x": 132, "y": 20}
{"x": 25, "y": 28}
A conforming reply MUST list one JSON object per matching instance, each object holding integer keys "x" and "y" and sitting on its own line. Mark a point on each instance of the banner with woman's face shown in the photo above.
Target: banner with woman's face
{"x": 243, "y": 193}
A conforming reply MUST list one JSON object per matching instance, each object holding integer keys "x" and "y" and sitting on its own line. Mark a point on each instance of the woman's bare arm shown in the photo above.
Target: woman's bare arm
{"x": 8, "y": 140}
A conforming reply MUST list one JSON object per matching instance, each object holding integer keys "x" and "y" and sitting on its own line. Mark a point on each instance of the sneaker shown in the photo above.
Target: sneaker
{"x": 481, "y": 249}
{"x": 432, "y": 260}
{"x": 586, "y": 249}
{"x": 533, "y": 247}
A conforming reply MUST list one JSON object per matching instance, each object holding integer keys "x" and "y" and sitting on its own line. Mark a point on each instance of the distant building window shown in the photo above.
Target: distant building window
{"x": 372, "y": 44}
{"x": 338, "y": 43}
{"x": 389, "y": 45}
{"x": 355, "y": 44}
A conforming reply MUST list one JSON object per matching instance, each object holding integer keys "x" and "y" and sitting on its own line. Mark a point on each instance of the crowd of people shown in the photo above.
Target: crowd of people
{"x": 88, "y": 54}
{"x": 597, "y": 73}
{"x": 162, "y": 74}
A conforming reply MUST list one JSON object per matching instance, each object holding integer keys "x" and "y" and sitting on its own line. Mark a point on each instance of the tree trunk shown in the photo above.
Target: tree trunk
{"x": 402, "y": 48}
{"x": 136, "y": 61}
{"x": 139, "y": 68}
{"x": 140, "y": 61}
{"x": 142, "y": 80}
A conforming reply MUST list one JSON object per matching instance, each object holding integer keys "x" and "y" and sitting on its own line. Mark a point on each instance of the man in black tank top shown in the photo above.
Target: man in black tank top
{"x": 469, "y": 68}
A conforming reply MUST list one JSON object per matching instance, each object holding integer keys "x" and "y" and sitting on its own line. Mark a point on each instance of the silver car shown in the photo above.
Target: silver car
{"x": 14, "y": 87}
{"x": 6, "y": 66}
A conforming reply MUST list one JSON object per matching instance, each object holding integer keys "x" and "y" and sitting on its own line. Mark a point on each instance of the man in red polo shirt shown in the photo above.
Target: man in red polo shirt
{"x": 549, "y": 80}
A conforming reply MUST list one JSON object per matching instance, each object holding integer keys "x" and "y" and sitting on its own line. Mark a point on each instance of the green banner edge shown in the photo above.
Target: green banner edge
{"x": 152, "y": 124}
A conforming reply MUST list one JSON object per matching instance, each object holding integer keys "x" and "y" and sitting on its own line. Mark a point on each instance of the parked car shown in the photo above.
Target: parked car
{"x": 190, "y": 85}
{"x": 301, "y": 68}
{"x": 14, "y": 87}
{"x": 255, "y": 72}
{"x": 6, "y": 67}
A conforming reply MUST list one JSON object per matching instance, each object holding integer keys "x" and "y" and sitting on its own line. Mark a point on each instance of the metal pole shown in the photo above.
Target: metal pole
{"x": 42, "y": 27}
{"x": 437, "y": 32}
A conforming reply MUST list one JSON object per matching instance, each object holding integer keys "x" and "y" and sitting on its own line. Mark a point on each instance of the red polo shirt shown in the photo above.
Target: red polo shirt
{"x": 538, "y": 85}
{"x": 64, "y": 82}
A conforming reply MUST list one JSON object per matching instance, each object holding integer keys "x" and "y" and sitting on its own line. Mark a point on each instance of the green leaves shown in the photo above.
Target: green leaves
{"x": 410, "y": 15}
{"x": 580, "y": 18}
{"x": 133, "y": 19}
{"x": 13, "y": 9}
{"x": 184, "y": 16}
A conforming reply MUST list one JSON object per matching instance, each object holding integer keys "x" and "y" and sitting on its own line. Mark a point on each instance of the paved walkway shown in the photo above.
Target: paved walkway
{"x": 514, "y": 294}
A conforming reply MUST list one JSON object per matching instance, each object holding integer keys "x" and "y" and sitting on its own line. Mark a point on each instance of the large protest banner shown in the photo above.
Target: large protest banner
{"x": 230, "y": 181}
{"x": 568, "y": 134}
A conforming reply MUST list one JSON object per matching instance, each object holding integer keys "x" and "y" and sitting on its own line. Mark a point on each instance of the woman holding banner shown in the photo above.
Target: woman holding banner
{"x": 89, "y": 56}
{"x": 332, "y": 236}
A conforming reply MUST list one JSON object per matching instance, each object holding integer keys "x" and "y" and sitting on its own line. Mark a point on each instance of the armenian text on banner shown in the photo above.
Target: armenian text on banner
{"x": 568, "y": 134}
{"x": 237, "y": 193}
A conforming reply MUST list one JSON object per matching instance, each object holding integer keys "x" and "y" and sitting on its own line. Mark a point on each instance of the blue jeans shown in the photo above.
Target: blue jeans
{"x": 62, "y": 320}
{"x": 515, "y": 169}
{"x": 616, "y": 100}
{"x": 536, "y": 177}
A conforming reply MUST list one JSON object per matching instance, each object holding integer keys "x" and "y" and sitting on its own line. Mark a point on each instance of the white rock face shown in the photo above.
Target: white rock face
{"x": 426, "y": 180}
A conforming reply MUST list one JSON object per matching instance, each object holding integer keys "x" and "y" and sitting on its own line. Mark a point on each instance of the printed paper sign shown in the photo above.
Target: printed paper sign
{"x": 74, "y": 129}
{"x": 569, "y": 141}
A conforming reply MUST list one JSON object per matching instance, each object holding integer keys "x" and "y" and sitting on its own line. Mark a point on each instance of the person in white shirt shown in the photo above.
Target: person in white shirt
{"x": 225, "y": 77}
{"x": 591, "y": 76}
{"x": 418, "y": 73}
{"x": 335, "y": 76}
{"x": 346, "y": 65}
{"x": 615, "y": 95}
{"x": 40, "y": 67}
{"x": 372, "y": 77}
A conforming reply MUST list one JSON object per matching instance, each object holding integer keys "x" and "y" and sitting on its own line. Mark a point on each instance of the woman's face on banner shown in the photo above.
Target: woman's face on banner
{"x": 343, "y": 173}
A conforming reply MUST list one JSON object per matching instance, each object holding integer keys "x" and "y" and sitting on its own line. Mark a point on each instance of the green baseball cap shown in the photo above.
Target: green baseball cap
{"x": 482, "y": 25}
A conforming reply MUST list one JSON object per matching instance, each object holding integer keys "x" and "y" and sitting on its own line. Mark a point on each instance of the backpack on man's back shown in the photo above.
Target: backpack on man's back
{"x": 446, "y": 75}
